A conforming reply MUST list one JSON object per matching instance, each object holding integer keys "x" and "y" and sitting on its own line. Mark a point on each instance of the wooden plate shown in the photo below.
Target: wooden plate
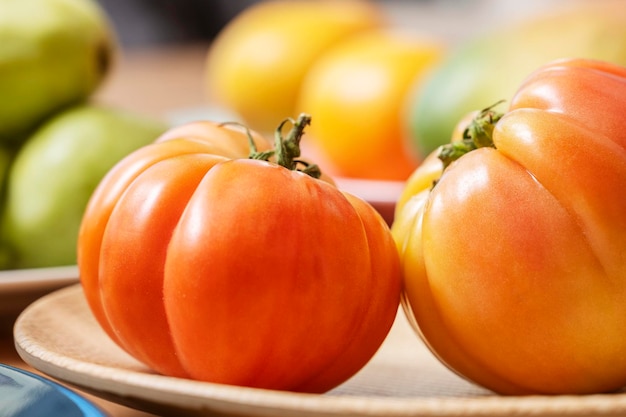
{"x": 58, "y": 335}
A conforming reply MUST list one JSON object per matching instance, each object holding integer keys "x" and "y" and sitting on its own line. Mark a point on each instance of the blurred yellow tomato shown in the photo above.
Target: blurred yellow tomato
{"x": 355, "y": 94}
{"x": 256, "y": 64}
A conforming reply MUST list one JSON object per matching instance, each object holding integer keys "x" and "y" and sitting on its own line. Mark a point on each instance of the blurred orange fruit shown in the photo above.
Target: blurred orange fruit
{"x": 257, "y": 62}
{"x": 356, "y": 93}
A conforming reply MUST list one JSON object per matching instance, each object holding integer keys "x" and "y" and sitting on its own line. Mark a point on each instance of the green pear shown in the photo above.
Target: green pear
{"x": 54, "y": 174}
{"x": 53, "y": 53}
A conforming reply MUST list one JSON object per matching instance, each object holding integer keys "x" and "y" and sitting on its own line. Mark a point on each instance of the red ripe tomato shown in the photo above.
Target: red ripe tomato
{"x": 514, "y": 262}
{"x": 205, "y": 264}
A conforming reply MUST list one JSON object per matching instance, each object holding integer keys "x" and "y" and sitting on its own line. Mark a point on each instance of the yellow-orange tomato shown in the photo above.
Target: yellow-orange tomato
{"x": 256, "y": 64}
{"x": 356, "y": 94}
{"x": 514, "y": 262}
{"x": 203, "y": 263}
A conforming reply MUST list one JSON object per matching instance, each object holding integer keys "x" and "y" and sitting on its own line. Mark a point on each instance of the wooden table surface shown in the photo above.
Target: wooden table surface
{"x": 157, "y": 81}
{"x": 151, "y": 82}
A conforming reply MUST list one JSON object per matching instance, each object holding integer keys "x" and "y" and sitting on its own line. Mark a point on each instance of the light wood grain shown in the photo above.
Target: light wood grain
{"x": 58, "y": 335}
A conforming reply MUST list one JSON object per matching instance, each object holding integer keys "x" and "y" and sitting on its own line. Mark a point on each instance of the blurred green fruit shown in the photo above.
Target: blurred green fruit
{"x": 53, "y": 53}
{"x": 484, "y": 70}
{"x": 55, "y": 173}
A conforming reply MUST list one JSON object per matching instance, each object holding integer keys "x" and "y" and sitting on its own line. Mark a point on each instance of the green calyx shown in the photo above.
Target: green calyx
{"x": 287, "y": 149}
{"x": 478, "y": 134}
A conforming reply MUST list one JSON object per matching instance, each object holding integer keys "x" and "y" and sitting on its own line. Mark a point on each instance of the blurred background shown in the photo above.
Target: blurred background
{"x": 149, "y": 30}
{"x": 142, "y": 23}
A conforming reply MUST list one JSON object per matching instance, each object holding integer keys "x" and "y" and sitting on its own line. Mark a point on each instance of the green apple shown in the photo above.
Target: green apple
{"x": 55, "y": 173}
{"x": 53, "y": 53}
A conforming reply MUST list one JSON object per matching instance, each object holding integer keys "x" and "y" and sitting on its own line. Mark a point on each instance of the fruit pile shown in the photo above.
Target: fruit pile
{"x": 342, "y": 62}
{"x": 55, "y": 144}
{"x": 506, "y": 249}
{"x": 212, "y": 246}
{"x": 382, "y": 99}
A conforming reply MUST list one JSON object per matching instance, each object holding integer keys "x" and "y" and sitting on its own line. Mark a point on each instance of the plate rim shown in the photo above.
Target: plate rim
{"x": 170, "y": 391}
{"x": 20, "y": 287}
{"x": 24, "y": 279}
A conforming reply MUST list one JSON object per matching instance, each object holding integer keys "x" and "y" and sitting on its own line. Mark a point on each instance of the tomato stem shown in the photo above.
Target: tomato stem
{"x": 478, "y": 134}
{"x": 287, "y": 149}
